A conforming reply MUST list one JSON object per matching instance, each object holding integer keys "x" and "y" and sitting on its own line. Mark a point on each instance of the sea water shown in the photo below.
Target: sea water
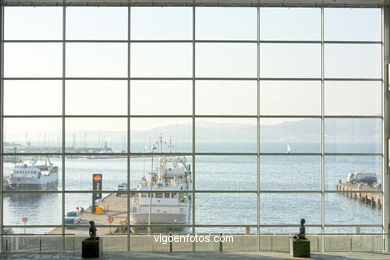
{"x": 239, "y": 173}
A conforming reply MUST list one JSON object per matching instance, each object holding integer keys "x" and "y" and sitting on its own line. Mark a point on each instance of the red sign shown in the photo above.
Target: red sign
{"x": 97, "y": 177}
{"x": 110, "y": 219}
{"x": 24, "y": 220}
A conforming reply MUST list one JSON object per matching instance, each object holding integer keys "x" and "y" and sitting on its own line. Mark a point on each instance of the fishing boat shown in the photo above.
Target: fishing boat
{"x": 162, "y": 197}
{"x": 32, "y": 175}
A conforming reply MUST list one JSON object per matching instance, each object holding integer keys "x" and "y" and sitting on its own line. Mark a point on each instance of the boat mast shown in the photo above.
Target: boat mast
{"x": 170, "y": 144}
{"x": 150, "y": 207}
{"x": 161, "y": 143}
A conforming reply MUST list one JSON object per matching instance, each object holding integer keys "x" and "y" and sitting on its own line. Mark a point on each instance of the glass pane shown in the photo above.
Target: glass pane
{"x": 267, "y": 232}
{"x": 353, "y": 242}
{"x": 150, "y": 207}
{"x": 244, "y": 209}
{"x": 78, "y": 211}
{"x": 230, "y": 60}
{"x": 287, "y": 173}
{"x": 33, "y": 240}
{"x": 161, "y": 135}
{"x": 277, "y": 242}
{"x": 32, "y": 135}
{"x": 161, "y": 97}
{"x": 226, "y": 135}
{"x": 33, "y": 206}
{"x": 352, "y": 98}
{"x": 356, "y": 230}
{"x": 79, "y": 171}
{"x": 290, "y": 97}
{"x": 32, "y": 59}
{"x": 38, "y": 23}
{"x": 33, "y": 172}
{"x": 159, "y": 185}
{"x": 96, "y": 59}
{"x": 25, "y": 97}
{"x": 96, "y": 23}
{"x": 341, "y": 209}
{"x": 119, "y": 243}
{"x": 352, "y": 61}
{"x": 226, "y": 97}
{"x": 142, "y": 166}
{"x": 161, "y": 60}
{"x": 92, "y": 97}
{"x": 352, "y": 24}
{"x": 161, "y": 23}
{"x": 226, "y": 231}
{"x": 353, "y": 135}
{"x": 283, "y": 135}
{"x": 12, "y": 233}
{"x": 143, "y": 243}
{"x": 221, "y": 23}
{"x": 277, "y": 239}
{"x": 96, "y": 135}
{"x": 349, "y": 171}
{"x": 218, "y": 173}
{"x": 290, "y": 60}
{"x": 234, "y": 239}
{"x": 290, "y": 23}
{"x": 174, "y": 175}
{"x": 290, "y": 208}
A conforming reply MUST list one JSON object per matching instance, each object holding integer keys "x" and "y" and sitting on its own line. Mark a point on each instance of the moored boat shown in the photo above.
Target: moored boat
{"x": 32, "y": 175}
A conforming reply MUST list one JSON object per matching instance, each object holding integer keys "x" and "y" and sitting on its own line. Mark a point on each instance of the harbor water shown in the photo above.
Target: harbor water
{"x": 226, "y": 173}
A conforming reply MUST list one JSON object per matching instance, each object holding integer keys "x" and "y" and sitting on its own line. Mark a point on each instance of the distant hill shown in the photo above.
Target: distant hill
{"x": 302, "y": 130}
{"x": 307, "y": 129}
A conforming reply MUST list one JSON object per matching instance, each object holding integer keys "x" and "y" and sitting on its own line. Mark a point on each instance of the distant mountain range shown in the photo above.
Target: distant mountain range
{"x": 302, "y": 130}
{"x": 307, "y": 130}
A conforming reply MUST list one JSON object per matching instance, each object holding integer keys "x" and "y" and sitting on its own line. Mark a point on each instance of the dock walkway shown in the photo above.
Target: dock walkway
{"x": 362, "y": 192}
{"x": 115, "y": 206}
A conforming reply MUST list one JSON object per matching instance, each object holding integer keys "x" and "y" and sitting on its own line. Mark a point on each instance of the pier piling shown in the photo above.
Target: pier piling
{"x": 364, "y": 193}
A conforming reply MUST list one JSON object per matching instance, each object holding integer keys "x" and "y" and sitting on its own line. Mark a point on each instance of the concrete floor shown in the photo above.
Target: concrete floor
{"x": 195, "y": 256}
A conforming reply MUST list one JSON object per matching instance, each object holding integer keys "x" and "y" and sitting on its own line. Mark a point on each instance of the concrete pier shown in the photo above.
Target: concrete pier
{"x": 362, "y": 192}
{"x": 115, "y": 206}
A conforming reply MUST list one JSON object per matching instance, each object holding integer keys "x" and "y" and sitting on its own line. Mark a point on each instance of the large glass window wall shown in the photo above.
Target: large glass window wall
{"x": 198, "y": 119}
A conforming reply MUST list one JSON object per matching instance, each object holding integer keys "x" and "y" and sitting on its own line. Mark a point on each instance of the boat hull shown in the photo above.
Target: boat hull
{"x": 20, "y": 183}
{"x": 47, "y": 186}
{"x": 159, "y": 218}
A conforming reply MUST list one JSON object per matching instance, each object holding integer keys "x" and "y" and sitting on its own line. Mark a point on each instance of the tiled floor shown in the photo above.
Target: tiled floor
{"x": 193, "y": 256}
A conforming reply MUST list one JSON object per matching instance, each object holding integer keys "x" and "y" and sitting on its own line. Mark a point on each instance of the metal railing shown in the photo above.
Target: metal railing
{"x": 20, "y": 243}
{"x": 49, "y": 243}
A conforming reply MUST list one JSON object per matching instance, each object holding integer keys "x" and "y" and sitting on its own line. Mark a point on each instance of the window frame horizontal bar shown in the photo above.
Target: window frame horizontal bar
{"x": 191, "y": 191}
{"x": 6, "y": 235}
{"x": 196, "y": 116}
{"x": 188, "y": 225}
{"x": 188, "y": 41}
{"x": 196, "y": 154}
{"x": 34, "y": 226}
{"x": 190, "y": 78}
{"x": 189, "y": 4}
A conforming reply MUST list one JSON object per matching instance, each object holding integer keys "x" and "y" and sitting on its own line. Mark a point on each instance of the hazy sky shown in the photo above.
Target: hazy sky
{"x": 212, "y": 60}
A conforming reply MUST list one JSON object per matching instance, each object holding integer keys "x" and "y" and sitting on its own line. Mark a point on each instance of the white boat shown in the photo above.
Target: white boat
{"x": 163, "y": 198}
{"x": 288, "y": 149}
{"x": 32, "y": 175}
{"x": 369, "y": 178}
{"x": 105, "y": 151}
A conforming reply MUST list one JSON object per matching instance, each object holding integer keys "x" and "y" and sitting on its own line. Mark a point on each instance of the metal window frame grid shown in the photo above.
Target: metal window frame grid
{"x": 193, "y": 154}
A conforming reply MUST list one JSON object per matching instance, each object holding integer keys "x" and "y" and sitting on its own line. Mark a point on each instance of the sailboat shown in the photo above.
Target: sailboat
{"x": 288, "y": 148}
